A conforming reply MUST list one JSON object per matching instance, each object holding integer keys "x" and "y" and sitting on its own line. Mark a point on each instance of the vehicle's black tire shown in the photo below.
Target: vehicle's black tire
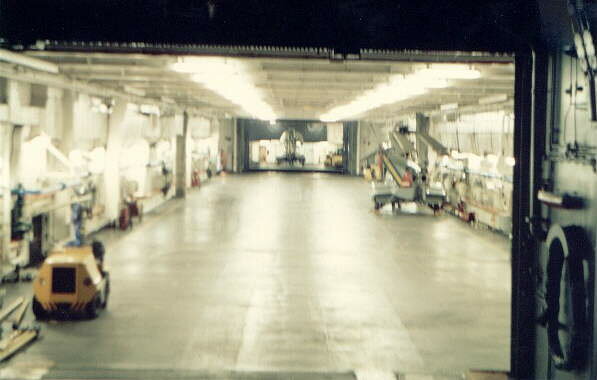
{"x": 92, "y": 308}
{"x": 38, "y": 310}
{"x": 106, "y": 290}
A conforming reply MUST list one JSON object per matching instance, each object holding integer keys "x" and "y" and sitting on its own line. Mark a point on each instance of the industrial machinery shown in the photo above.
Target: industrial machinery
{"x": 19, "y": 227}
{"x": 407, "y": 182}
{"x": 290, "y": 139}
{"x": 335, "y": 159}
{"x": 72, "y": 281}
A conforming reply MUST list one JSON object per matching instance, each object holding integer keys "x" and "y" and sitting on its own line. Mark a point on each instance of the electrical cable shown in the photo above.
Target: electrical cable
{"x": 457, "y": 139}
{"x": 575, "y": 95}
{"x": 12, "y": 142}
{"x": 563, "y": 141}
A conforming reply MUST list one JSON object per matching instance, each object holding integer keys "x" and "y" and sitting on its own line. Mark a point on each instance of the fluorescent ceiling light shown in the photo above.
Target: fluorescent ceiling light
{"x": 327, "y": 120}
{"x": 230, "y": 79}
{"x": 398, "y": 88}
{"x": 450, "y": 72}
{"x": 448, "y": 107}
{"x": 149, "y": 109}
{"x": 493, "y": 99}
{"x": 401, "y": 87}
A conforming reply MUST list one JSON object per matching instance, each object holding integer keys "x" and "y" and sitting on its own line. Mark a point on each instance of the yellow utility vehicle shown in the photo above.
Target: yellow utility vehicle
{"x": 334, "y": 160}
{"x": 72, "y": 281}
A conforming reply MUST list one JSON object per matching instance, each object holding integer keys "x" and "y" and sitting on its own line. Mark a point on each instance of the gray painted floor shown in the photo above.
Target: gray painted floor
{"x": 293, "y": 273}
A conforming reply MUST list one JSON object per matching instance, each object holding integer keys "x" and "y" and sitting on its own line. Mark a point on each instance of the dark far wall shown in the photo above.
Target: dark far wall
{"x": 251, "y": 131}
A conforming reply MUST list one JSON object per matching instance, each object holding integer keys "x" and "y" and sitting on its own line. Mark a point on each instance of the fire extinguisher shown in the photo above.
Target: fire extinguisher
{"x": 195, "y": 180}
{"x": 124, "y": 219}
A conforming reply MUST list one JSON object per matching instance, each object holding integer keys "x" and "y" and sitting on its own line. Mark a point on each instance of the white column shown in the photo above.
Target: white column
{"x": 54, "y": 112}
{"x": 112, "y": 163}
{"x": 234, "y": 146}
{"x": 188, "y": 157}
{"x": 358, "y": 148}
{"x": 5, "y": 134}
{"x": 180, "y": 174}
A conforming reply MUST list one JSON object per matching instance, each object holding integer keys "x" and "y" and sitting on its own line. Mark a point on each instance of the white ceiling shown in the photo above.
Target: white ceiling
{"x": 296, "y": 88}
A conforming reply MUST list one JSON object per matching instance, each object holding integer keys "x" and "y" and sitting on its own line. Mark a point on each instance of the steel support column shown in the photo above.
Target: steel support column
{"x": 529, "y": 134}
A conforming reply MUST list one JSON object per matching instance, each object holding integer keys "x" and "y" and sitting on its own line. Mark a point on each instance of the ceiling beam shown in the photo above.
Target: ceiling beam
{"x": 297, "y": 76}
{"x": 133, "y": 78}
{"x": 60, "y": 81}
{"x": 101, "y": 56}
{"x": 334, "y": 70}
{"x": 111, "y": 68}
{"x": 331, "y": 86}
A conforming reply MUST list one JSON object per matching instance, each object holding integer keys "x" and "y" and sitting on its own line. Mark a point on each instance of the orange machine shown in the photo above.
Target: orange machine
{"x": 71, "y": 281}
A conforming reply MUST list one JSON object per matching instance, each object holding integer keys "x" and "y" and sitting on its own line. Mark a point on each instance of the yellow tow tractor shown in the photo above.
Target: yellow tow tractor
{"x": 72, "y": 281}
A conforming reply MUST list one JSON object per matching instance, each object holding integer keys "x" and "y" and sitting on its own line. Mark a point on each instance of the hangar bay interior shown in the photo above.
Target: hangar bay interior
{"x": 263, "y": 210}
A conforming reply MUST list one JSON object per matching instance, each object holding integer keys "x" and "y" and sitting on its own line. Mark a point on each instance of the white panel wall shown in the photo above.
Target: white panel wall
{"x": 200, "y": 127}
{"x": 487, "y": 132}
{"x": 19, "y": 110}
{"x": 335, "y": 133}
{"x": 112, "y": 167}
{"x": 171, "y": 126}
{"x": 88, "y": 124}
{"x": 226, "y": 141}
{"x": 53, "y": 114}
{"x": 78, "y": 130}
{"x": 152, "y": 132}
{"x": 370, "y": 136}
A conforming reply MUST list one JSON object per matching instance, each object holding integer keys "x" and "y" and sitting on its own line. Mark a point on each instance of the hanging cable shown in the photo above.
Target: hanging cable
{"x": 457, "y": 138}
{"x": 575, "y": 91}
{"x": 564, "y": 140}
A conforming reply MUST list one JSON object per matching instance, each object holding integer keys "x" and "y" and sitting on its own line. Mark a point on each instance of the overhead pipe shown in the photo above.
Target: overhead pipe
{"x": 34, "y": 63}
{"x": 60, "y": 81}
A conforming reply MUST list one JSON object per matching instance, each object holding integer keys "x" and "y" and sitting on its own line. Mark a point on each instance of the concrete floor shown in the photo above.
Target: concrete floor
{"x": 295, "y": 273}
{"x": 286, "y": 167}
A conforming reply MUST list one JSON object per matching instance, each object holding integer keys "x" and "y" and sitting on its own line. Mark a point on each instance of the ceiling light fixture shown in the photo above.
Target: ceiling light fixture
{"x": 448, "y": 107}
{"x": 228, "y": 78}
{"x": 443, "y": 71}
{"x": 401, "y": 87}
{"x": 398, "y": 88}
{"x": 149, "y": 109}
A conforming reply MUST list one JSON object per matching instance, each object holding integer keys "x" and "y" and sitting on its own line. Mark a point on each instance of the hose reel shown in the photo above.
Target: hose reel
{"x": 567, "y": 313}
